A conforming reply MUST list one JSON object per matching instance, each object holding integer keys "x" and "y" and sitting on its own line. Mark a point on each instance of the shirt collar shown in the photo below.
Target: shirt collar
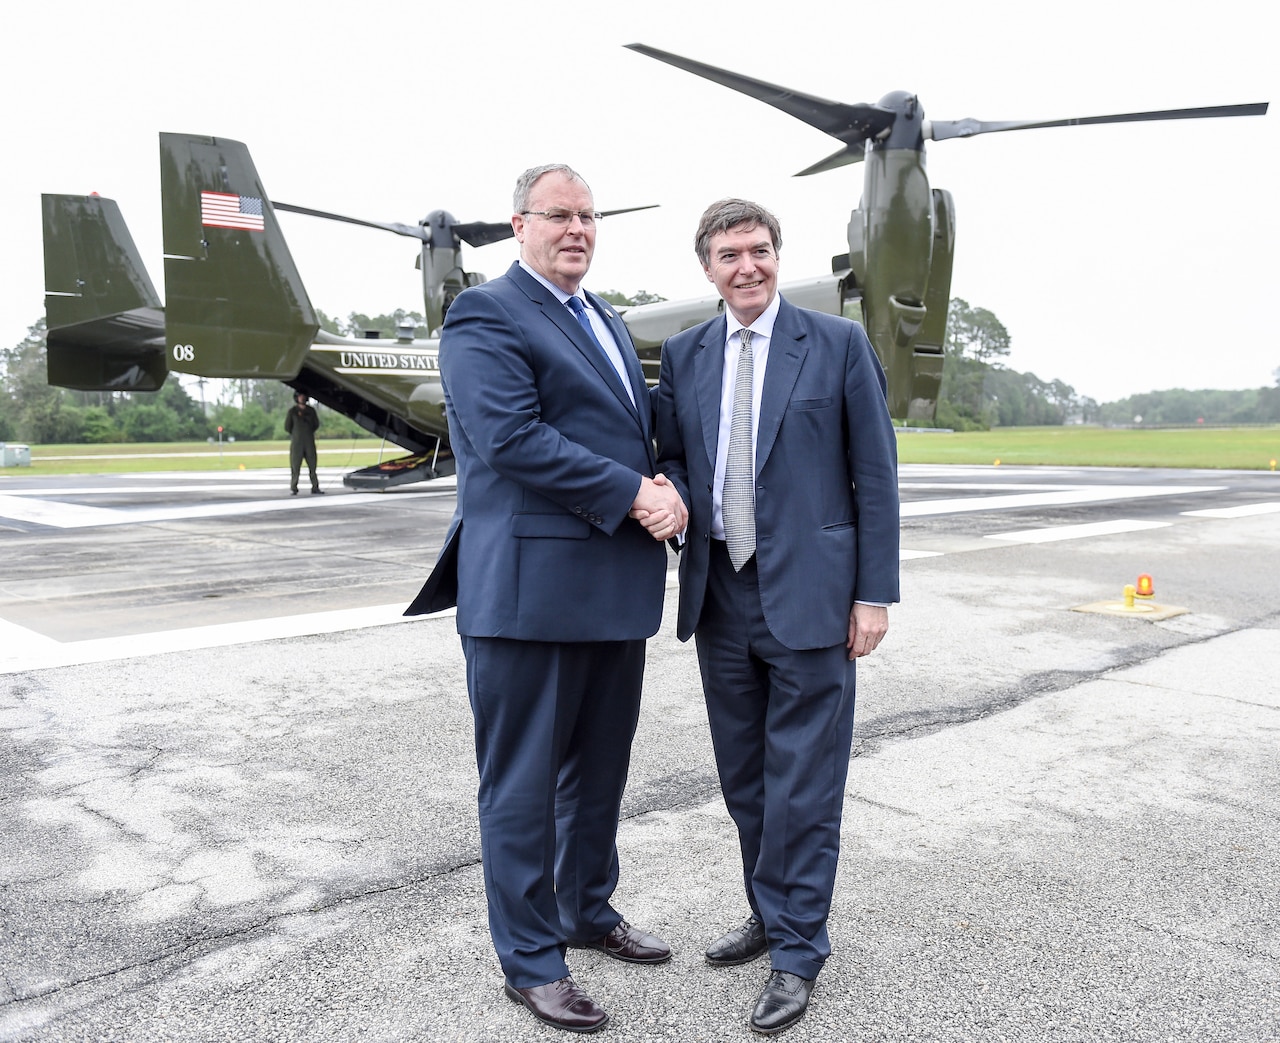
{"x": 561, "y": 296}
{"x": 763, "y": 324}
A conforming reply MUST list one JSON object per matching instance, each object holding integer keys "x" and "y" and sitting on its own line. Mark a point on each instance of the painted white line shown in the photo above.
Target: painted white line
{"x": 229, "y": 448}
{"x": 53, "y": 513}
{"x": 134, "y": 490}
{"x": 31, "y": 651}
{"x": 1244, "y": 510}
{"x": 907, "y": 555}
{"x": 14, "y": 637}
{"x": 1075, "y": 532}
{"x": 1094, "y": 494}
{"x": 953, "y": 470}
{"x": 59, "y": 515}
{"x": 996, "y": 486}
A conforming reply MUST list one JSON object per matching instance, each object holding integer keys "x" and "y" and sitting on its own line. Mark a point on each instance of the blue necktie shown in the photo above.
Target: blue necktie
{"x": 579, "y": 310}
{"x": 580, "y": 313}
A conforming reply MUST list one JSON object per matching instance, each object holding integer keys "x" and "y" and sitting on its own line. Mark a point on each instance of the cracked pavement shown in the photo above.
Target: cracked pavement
{"x": 1058, "y": 826}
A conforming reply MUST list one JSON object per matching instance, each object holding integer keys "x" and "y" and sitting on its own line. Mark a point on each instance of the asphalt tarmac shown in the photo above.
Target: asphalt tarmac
{"x": 237, "y": 790}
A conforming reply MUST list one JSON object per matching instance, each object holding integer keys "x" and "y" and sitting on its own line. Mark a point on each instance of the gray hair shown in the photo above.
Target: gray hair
{"x": 525, "y": 183}
{"x": 726, "y": 214}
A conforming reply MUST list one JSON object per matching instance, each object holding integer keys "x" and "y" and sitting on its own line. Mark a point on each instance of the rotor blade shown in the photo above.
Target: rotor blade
{"x": 412, "y": 231}
{"x": 850, "y": 124}
{"x": 941, "y": 130}
{"x": 482, "y": 233}
{"x": 854, "y": 153}
{"x": 629, "y": 209}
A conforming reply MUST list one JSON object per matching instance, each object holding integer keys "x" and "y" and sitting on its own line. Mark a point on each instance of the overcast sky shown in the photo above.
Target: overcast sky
{"x": 1121, "y": 259}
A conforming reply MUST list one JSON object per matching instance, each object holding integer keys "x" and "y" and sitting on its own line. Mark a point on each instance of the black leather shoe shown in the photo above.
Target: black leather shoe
{"x": 741, "y": 945}
{"x": 560, "y": 1004}
{"x": 625, "y": 943}
{"x": 782, "y": 1003}
{"x": 317, "y": 492}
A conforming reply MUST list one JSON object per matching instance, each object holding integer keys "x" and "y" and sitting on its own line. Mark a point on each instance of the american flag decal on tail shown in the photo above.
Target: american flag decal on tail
{"x": 223, "y": 210}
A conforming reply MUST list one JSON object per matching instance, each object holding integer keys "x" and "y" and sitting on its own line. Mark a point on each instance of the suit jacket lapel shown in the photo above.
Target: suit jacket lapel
{"x": 563, "y": 318}
{"x": 786, "y": 355}
{"x": 708, "y": 374}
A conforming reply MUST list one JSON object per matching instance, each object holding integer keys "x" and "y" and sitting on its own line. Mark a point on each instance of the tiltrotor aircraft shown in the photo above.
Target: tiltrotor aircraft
{"x": 235, "y": 305}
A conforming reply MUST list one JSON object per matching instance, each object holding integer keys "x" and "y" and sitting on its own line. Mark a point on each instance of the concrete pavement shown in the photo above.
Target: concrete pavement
{"x": 277, "y": 842}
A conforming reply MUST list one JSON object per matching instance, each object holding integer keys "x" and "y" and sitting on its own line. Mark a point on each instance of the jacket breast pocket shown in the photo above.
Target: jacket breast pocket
{"x": 799, "y": 404}
{"x": 553, "y": 526}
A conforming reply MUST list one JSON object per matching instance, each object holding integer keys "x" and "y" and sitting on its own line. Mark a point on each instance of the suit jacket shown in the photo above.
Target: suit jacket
{"x": 550, "y": 452}
{"x": 826, "y": 472}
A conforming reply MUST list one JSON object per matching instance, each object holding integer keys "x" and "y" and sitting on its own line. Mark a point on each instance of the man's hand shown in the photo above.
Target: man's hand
{"x": 867, "y": 625}
{"x": 659, "y": 509}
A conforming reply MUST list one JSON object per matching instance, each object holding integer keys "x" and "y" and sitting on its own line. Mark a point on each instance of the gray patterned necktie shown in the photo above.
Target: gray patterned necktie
{"x": 738, "y": 498}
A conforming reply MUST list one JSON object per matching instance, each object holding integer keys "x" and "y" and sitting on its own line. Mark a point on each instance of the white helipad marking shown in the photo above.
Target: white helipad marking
{"x": 59, "y": 515}
{"x": 23, "y": 649}
{"x": 1244, "y": 510}
{"x": 230, "y": 448}
{"x": 53, "y": 513}
{"x": 14, "y": 637}
{"x": 1075, "y": 532}
{"x": 133, "y": 490}
{"x": 1065, "y": 497}
{"x": 996, "y": 486}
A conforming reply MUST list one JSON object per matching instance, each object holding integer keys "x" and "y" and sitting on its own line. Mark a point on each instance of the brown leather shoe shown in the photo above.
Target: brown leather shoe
{"x": 560, "y": 1004}
{"x": 625, "y": 943}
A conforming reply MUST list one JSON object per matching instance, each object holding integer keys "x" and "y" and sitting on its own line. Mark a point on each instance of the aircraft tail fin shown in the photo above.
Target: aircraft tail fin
{"x": 105, "y": 324}
{"x": 235, "y": 303}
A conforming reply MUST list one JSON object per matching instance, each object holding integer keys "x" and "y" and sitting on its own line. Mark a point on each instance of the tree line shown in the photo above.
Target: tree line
{"x": 32, "y": 410}
{"x": 978, "y": 392}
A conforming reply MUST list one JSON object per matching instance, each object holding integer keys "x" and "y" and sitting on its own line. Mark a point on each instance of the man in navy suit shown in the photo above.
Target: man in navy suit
{"x": 557, "y": 586}
{"x": 772, "y": 424}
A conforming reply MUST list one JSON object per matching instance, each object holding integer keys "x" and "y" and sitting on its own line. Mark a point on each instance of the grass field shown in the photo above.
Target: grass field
{"x": 1237, "y": 448}
{"x": 1232, "y": 448}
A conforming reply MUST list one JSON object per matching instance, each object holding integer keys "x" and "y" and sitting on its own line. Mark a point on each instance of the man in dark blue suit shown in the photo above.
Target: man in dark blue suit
{"x": 772, "y": 424}
{"x": 557, "y": 586}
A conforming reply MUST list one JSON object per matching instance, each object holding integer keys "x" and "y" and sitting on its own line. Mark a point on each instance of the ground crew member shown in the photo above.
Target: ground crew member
{"x": 301, "y": 423}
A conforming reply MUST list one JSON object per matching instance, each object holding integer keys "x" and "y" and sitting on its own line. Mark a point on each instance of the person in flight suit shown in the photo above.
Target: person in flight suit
{"x": 301, "y": 423}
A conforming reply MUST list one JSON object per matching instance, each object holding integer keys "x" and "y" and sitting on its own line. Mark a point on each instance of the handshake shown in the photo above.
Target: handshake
{"x": 659, "y": 509}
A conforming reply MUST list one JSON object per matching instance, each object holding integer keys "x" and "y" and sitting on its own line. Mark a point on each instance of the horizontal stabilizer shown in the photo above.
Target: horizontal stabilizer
{"x": 105, "y": 325}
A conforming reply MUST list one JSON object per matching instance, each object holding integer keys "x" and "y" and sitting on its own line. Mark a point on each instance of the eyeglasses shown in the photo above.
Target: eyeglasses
{"x": 559, "y": 217}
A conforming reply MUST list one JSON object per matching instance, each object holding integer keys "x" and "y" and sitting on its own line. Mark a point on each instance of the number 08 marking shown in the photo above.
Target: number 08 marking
{"x": 184, "y": 352}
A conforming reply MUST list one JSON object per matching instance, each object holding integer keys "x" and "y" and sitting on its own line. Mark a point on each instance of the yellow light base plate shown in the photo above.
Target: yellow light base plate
{"x": 1139, "y": 610}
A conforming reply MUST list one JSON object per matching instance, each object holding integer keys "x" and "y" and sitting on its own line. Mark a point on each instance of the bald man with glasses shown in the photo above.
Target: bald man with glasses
{"x": 557, "y": 586}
